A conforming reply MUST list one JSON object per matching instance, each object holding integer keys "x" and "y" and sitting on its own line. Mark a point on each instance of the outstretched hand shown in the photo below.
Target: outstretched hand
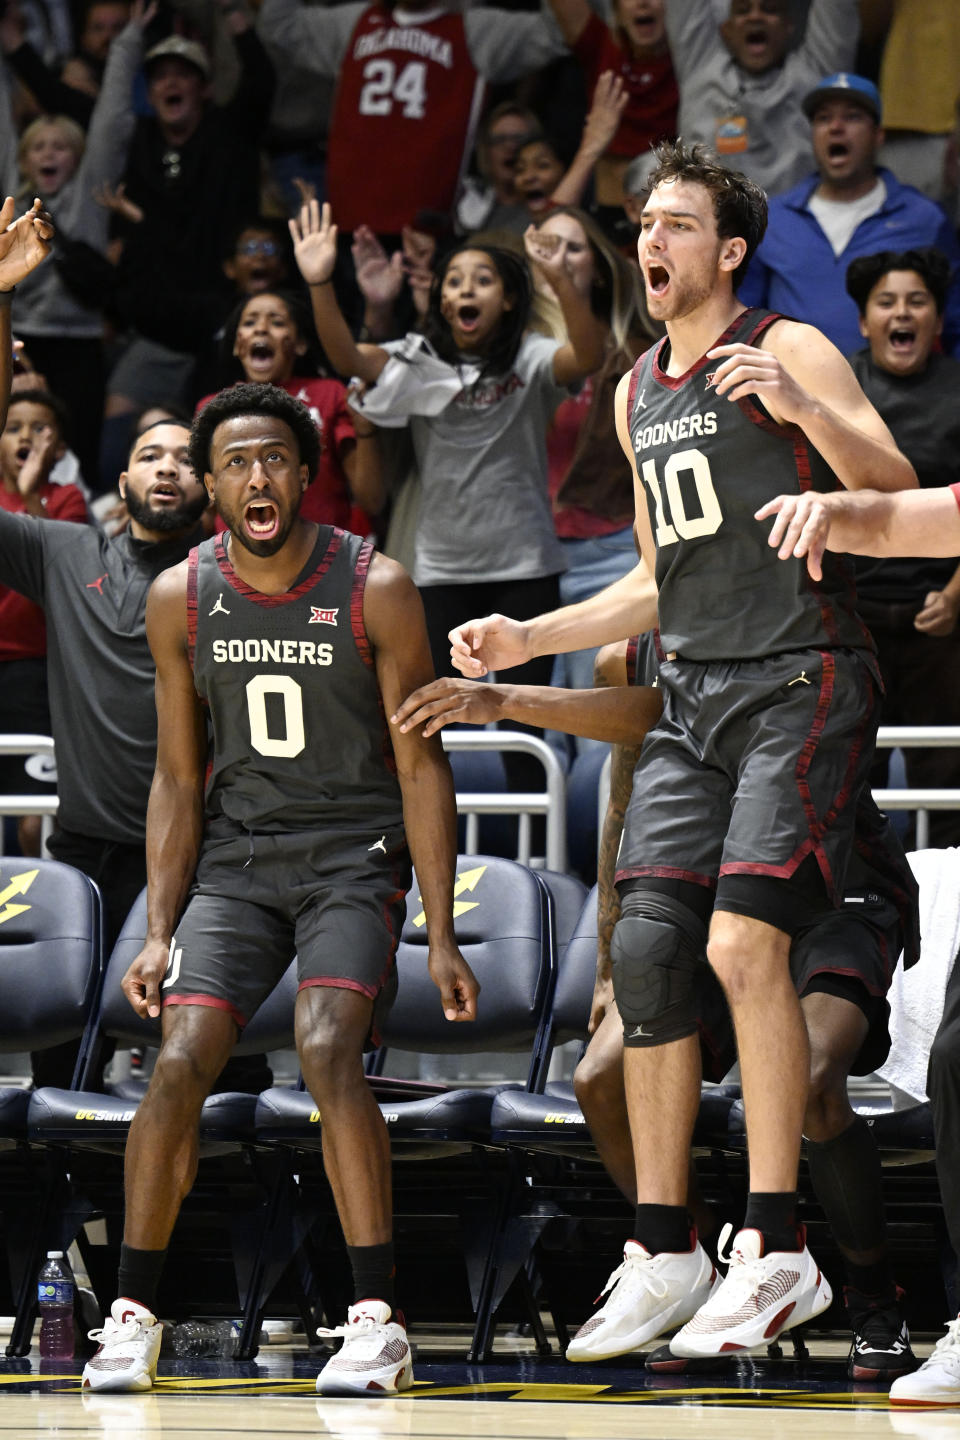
{"x": 24, "y": 243}
{"x": 610, "y": 98}
{"x": 447, "y": 701}
{"x": 379, "y": 276}
{"x": 494, "y": 643}
{"x": 801, "y": 528}
{"x": 314, "y": 237}
{"x": 35, "y": 470}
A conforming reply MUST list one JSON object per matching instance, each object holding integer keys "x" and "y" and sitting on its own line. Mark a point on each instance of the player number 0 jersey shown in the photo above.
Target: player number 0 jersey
{"x": 300, "y": 740}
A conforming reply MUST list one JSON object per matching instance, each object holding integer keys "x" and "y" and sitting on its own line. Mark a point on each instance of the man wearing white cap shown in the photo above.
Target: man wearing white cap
{"x": 850, "y": 207}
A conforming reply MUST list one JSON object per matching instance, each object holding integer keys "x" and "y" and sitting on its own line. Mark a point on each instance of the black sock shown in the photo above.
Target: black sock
{"x": 139, "y": 1275}
{"x": 373, "y": 1272}
{"x": 774, "y": 1214}
{"x": 663, "y": 1227}
{"x": 846, "y": 1177}
{"x": 875, "y": 1283}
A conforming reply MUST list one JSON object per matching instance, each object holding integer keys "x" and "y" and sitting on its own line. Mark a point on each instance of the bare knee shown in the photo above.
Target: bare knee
{"x": 747, "y": 971}
{"x": 184, "y": 1073}
{"x": 598, "y": 1084}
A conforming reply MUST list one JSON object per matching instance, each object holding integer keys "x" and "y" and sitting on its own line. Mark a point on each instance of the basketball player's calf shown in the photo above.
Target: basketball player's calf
{"x": 658, "y": 958}
{"x": 160, "y": 1166}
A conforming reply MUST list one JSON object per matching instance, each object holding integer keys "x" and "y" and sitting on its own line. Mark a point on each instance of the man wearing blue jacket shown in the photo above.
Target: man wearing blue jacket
{"x": 850, "y": 207}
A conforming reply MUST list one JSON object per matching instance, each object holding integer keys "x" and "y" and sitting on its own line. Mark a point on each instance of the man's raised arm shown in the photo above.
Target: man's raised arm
{"x": 865, "y": 522}
{"x": 23, "y": 244}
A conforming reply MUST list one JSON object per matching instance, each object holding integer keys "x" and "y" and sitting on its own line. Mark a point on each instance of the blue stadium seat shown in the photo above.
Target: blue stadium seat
{"x": 504, "y": 929}
{"x": 50, "y": 964}
{"x": 88, "y": 1129}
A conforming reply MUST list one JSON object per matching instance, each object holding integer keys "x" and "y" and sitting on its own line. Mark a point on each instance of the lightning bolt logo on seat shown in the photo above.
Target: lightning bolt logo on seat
{"x": 469, "y": 880}
{"x": 17, "y": 885}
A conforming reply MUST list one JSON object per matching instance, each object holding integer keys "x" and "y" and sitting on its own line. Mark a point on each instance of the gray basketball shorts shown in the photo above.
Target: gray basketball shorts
{"x": 336, "y": 902}
{"x": 754, "y": 766}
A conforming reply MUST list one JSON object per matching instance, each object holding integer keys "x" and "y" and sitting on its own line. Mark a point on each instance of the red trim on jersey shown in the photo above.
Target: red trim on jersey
{"x": 632, "y": 386}
{"x": 956, "y": 491}
{"x": 633, "y": 646}
{"x": 364, "y": 648}
{"x": 213, "y": 1002}
{"x": 668, "y": 381}
{"x": 666, "y": 872}
{"x": 270, "y": 601}
{"x": 193, "y": 561}
{"x": 360, "y": 636}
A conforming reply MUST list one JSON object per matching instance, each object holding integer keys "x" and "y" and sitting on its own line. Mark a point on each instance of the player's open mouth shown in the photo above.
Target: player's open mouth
{"x": 23, "y": 453}
{"x": 468, "y": 317}
{"x": 536, "y": 199}
{"x": 657, "y": 280}
{"x": 837, "y": 150}
{"x": 902, "y": 339}
{"x": 262, "y": 519}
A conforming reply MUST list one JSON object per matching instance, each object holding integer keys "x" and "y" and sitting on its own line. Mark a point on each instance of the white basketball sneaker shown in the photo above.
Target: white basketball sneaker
{"x": 374, "y": 1358}
{"x": 129, "y": 1346}
{"x": 760, "y": 1297}
{"x": 937, "y": 1382}
{"x": 648, "y": 1294}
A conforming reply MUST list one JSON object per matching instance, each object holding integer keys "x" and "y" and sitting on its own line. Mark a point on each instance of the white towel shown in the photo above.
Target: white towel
{"x": 917, "y": 995}
{"x": 414, "y": 381}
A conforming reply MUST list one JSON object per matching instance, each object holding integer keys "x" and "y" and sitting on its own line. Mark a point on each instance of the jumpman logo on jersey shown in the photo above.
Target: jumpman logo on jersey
{"x": 381, "y": 844}
{"x": 98, "y": 583}
{"x": 801, "y": 679}
{"x": 220, "y": 608}
{"x": 641, "y": 403}
{"x": 638, "y": 1033}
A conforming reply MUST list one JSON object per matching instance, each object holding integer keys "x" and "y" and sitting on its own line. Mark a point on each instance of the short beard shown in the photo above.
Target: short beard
{"x": 164, "y": 520}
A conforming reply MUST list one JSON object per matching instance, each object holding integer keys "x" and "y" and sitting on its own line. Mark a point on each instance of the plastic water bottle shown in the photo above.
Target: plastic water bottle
{"x": 55, "y": 1298}
{"x": 206, "y": 1340}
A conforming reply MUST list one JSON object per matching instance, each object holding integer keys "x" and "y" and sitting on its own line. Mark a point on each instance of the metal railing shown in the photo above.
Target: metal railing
{"x": 45, "y": 805}
{"x": 889, "y": 737}
{"x": 551, "y": 802}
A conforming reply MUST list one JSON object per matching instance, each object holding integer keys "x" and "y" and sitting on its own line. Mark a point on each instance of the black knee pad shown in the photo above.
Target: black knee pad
{"x": 658, "y": 952}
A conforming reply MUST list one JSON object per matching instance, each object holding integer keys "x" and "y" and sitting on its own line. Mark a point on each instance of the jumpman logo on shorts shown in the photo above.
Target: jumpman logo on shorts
{"x": 220, "y": 608}
{"x": 381, "y": 844}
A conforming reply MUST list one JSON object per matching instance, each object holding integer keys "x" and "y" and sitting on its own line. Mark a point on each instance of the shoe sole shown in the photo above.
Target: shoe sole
{"x": 645, "y": 1333}
{"x": 373, "y": 1389}
{"x": 801, "y": 1310}
{"x": 865, "y": 1372}
{"x": 117, "y": 1385}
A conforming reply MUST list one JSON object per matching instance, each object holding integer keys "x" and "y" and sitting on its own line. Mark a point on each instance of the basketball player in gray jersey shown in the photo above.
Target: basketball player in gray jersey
{"x": 291, "y": 637}
{"x": 741, "y": 818}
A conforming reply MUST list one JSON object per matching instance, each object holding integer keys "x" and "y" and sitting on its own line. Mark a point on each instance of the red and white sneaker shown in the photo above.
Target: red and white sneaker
{"x": 647, "y": 1295}
{"x": 374, "y": 1358}
{"x": 129, "y": 1346}
{"x": 760, "y": 1297}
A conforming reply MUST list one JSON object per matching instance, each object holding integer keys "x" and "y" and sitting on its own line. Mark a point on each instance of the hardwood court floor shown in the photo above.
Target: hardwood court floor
{"x": 514, "y": 1397}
